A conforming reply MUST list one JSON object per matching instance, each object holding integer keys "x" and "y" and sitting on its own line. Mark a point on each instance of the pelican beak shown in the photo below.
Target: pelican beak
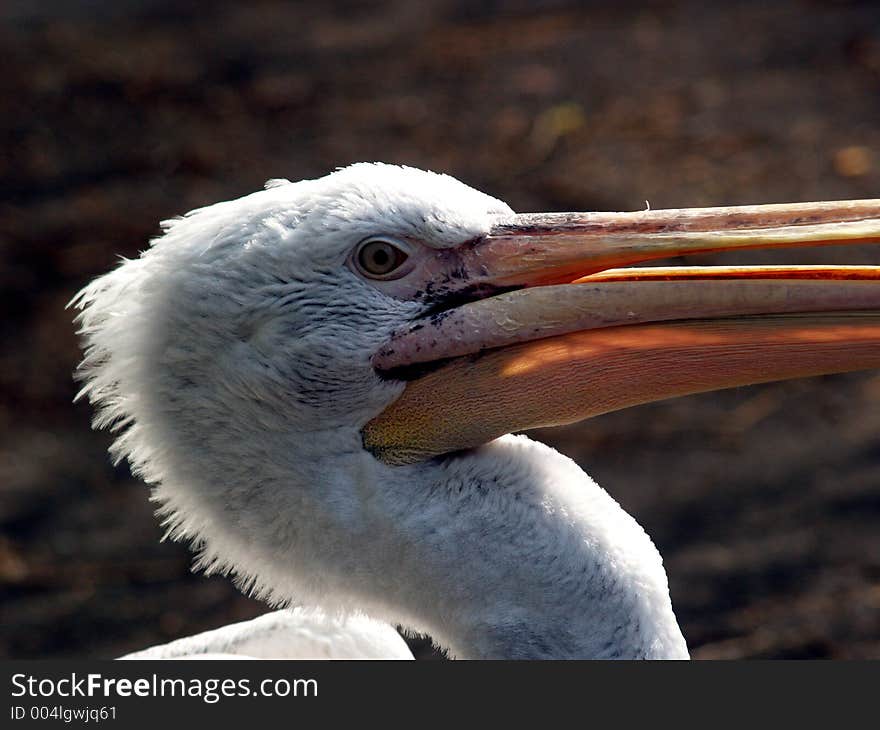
{"x": 573, "y": 334}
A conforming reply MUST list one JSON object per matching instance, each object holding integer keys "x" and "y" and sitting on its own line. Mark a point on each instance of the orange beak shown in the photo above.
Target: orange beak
{"x": 573, "y": 336}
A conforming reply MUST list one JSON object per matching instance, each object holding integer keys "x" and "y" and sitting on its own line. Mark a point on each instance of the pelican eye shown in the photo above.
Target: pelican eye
{"x": 379, "y": 258}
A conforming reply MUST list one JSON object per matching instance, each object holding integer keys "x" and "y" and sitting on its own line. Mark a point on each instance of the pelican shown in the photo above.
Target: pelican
{"x": 320, "y": 381}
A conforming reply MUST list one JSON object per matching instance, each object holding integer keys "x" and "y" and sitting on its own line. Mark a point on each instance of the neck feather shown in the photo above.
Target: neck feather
{"x": 517, "y": 553}
{"x": 508, "y": 551}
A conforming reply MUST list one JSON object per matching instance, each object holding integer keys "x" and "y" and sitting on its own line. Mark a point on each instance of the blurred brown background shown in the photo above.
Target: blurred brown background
{"x": 765, "y": 502}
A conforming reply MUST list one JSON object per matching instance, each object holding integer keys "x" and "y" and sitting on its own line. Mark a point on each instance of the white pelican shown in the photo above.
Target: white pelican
{"x": 296, "y": 633}
{"x": 319, "y": 379}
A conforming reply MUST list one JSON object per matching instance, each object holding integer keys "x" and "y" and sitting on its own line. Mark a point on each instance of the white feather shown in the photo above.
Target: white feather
{"x": 297, "y": 633}
{"x": 233, "y": 361}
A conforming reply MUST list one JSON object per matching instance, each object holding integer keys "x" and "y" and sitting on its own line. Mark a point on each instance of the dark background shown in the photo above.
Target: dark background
{"x": 765, "y": 501}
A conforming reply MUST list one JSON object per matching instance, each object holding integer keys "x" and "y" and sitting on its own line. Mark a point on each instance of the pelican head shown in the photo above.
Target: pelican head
{"x": 317, "y": 380}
